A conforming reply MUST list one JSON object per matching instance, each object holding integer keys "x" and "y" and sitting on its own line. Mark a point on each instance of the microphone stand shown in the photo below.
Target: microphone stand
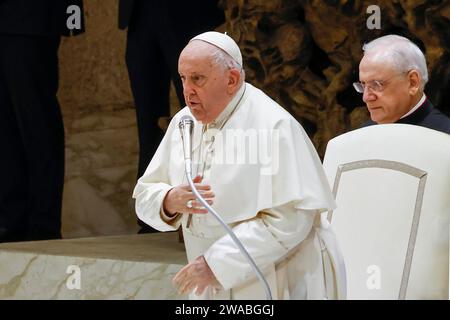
{"x": 265, "y": 285}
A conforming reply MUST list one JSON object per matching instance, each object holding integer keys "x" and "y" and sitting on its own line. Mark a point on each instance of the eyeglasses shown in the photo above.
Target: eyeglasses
{"x": 375, "y": 85}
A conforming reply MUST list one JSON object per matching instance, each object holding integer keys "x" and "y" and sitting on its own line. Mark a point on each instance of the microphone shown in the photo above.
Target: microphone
{"x": 186, "y": 126}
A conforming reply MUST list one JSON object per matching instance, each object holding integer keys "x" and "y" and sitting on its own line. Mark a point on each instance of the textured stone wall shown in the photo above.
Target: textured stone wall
{"x": 304, "y": 54}
{"x": 100, "y": 125}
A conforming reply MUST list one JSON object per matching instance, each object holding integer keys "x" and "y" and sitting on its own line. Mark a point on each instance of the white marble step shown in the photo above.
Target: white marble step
{"x": 115, "y": 267}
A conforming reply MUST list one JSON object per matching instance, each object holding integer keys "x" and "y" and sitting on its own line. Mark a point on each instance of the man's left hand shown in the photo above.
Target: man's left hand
{"x": 195, "y": 274}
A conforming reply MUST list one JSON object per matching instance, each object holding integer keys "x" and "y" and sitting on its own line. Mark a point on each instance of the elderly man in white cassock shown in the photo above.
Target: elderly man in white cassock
{"x": 256, "y": 166}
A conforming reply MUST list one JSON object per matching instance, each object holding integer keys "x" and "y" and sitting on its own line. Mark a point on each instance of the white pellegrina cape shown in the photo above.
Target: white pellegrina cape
{"x": 269, "y": 187}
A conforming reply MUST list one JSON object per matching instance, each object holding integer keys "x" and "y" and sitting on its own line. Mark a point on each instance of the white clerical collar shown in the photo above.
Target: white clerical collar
{"x": 421, "y": 101}
{"x": 229, "y": 108}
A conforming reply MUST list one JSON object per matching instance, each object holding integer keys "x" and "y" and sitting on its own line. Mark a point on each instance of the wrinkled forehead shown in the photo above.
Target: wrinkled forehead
{"x": 375, "y": 66}
{"x": 198, "y": 51}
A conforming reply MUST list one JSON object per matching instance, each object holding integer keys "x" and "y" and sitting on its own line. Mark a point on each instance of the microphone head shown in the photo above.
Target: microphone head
{"x": 186, "y": 126}
{"x": 186, "y": 120}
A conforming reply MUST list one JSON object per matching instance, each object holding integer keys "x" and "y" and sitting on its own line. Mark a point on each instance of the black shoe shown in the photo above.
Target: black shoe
{"x": 12, "y": 236}
{"x": 147, "y": 229}
{"x": 3, "y": 234}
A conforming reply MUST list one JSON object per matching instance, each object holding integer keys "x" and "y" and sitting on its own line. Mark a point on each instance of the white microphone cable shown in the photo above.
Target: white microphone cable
{"x": 187, "y": 140}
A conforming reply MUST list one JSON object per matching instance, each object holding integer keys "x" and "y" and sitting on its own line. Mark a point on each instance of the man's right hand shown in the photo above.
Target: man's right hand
{"x": 176, "y": 200}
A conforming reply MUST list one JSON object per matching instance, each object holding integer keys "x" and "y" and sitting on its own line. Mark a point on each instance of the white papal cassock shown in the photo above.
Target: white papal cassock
{"x": 269, "y": 187}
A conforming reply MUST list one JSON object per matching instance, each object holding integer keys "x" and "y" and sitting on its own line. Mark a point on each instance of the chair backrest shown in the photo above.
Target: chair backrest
{"x": 392, "y": 189}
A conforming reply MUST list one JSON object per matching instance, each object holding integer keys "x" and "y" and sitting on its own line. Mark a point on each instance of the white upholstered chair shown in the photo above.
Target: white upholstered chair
{"x": 392, "y": 189}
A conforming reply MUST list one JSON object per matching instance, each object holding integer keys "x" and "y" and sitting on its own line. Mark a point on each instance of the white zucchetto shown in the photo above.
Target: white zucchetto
{"x": 222, "y": 41}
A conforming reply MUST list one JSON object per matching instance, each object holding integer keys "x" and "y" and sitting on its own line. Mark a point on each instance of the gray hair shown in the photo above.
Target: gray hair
{"x": 402, "y": 53}
{"x": 222, "y": 58}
